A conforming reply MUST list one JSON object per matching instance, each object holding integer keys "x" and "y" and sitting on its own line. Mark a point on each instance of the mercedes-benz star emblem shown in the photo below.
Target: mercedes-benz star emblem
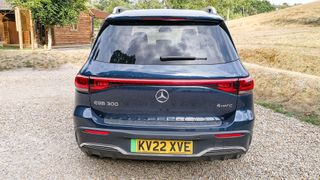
{"x": 162, "y": 96}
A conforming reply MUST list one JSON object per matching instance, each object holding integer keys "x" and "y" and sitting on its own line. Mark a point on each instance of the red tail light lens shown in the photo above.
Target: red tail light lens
{"x": 227, "y": 86}
{"x": 96, "y": 132}
{"x": 233, "y": 135}
{"x": 82, "y": 83}
{"x": 98, "y": 84}
{"x": 246, "y": 85}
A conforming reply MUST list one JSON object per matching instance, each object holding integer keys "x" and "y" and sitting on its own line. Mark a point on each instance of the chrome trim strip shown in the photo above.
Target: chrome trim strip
{"x": 122, "y": 151}
{"x": 162, "y": 124}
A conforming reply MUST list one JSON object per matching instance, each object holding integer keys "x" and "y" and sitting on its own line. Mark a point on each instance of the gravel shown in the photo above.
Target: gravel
{"x": 37, "y": 140}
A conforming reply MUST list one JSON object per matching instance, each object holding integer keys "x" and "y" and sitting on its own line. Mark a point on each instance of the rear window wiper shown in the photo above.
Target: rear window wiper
{"x": 181, "y": 58}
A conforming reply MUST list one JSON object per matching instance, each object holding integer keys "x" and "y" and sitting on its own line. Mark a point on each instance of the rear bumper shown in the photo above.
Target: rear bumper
{"x": 117, "y": 143}
{"x": 112, "y": 151}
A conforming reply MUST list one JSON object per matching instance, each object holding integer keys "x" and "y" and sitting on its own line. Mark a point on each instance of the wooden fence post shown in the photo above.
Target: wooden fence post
{"x": 19, "y": 26}
{"x": 31, "y": 31}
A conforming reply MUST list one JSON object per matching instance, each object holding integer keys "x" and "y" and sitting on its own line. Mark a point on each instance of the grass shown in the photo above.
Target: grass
{"x": 290, "y": 93}
{"x": 276, "y": 108}
{"x": 286, "y": 39}
{"x": 8, "y": 48}
{"x": 310, "y": 118}
{"x": 283, "y": 58}
{"x": 40, "y": 59}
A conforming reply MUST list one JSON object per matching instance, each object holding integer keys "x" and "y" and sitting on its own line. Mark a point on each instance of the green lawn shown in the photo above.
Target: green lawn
{"x": 310, "y": 118}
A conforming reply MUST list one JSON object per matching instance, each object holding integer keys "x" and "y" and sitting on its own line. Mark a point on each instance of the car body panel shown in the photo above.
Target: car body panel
{"x": 135, "y": 112}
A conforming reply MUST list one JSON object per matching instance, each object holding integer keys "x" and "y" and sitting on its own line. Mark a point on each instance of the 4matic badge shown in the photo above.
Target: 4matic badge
{"x": 224, "y": 105}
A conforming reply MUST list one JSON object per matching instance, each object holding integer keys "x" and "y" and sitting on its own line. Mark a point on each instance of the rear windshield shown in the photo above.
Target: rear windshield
{"x": 164, "y": 44}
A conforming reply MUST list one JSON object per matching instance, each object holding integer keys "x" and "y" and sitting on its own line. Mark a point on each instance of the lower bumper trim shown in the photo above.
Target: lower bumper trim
{"x": 108, "y": 148}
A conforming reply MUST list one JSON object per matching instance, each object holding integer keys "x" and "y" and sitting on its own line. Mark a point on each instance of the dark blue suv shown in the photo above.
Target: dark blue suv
{"x": 164, "y": 85}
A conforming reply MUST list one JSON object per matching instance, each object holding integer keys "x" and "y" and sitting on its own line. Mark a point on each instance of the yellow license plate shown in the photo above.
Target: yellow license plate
{"x": 161, "y": 146}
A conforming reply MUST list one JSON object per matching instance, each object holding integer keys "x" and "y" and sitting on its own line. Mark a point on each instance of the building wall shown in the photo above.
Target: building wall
{"x": 6, "y": 34}
{"x": 9, "y": 27}
{"x": 68, "y": 36}
{"x": 1, "y": 28}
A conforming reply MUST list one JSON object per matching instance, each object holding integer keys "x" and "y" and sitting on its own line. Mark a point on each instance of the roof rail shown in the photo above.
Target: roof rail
{"x": 118, "y": 10}
{"x": 210, "y": 9}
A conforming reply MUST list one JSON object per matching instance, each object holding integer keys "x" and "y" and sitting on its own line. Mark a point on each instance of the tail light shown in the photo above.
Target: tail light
{"x": 96, "y": 132}
{"x": 234, "y": 86}
{"x": 98, "y": 84}
{"x": 246, "y": 85}
{"x": 86, "y": 84}
{"x": 82, "y": 83}
{"x": 226, "y": 86}
{"x": 233, "y": 135}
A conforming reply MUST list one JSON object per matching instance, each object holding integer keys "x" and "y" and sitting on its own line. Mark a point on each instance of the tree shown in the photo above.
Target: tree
{"x": 186, "y": 4}
{"x": 108, "y": 5}
{"x": 148, "y": 4}
{"x": 226, "y": 8}
{"x": 53, "y": 12}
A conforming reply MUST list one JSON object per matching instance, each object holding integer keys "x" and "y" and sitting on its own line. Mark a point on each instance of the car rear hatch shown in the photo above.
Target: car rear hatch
{"x": 165, "y": 102}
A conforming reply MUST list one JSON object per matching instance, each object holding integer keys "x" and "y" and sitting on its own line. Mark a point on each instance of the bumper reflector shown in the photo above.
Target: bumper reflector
{"x": 233, "y": 135}
{"x": 96, "y": 132}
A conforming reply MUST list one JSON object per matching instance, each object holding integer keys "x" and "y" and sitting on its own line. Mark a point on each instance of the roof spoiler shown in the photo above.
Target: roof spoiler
{"x": 210, "y": 9}
{"x": 119, "y": 9}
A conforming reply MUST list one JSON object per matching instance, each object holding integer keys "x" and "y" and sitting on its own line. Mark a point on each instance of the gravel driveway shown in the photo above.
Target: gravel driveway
{"x": 37, "y": 140}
